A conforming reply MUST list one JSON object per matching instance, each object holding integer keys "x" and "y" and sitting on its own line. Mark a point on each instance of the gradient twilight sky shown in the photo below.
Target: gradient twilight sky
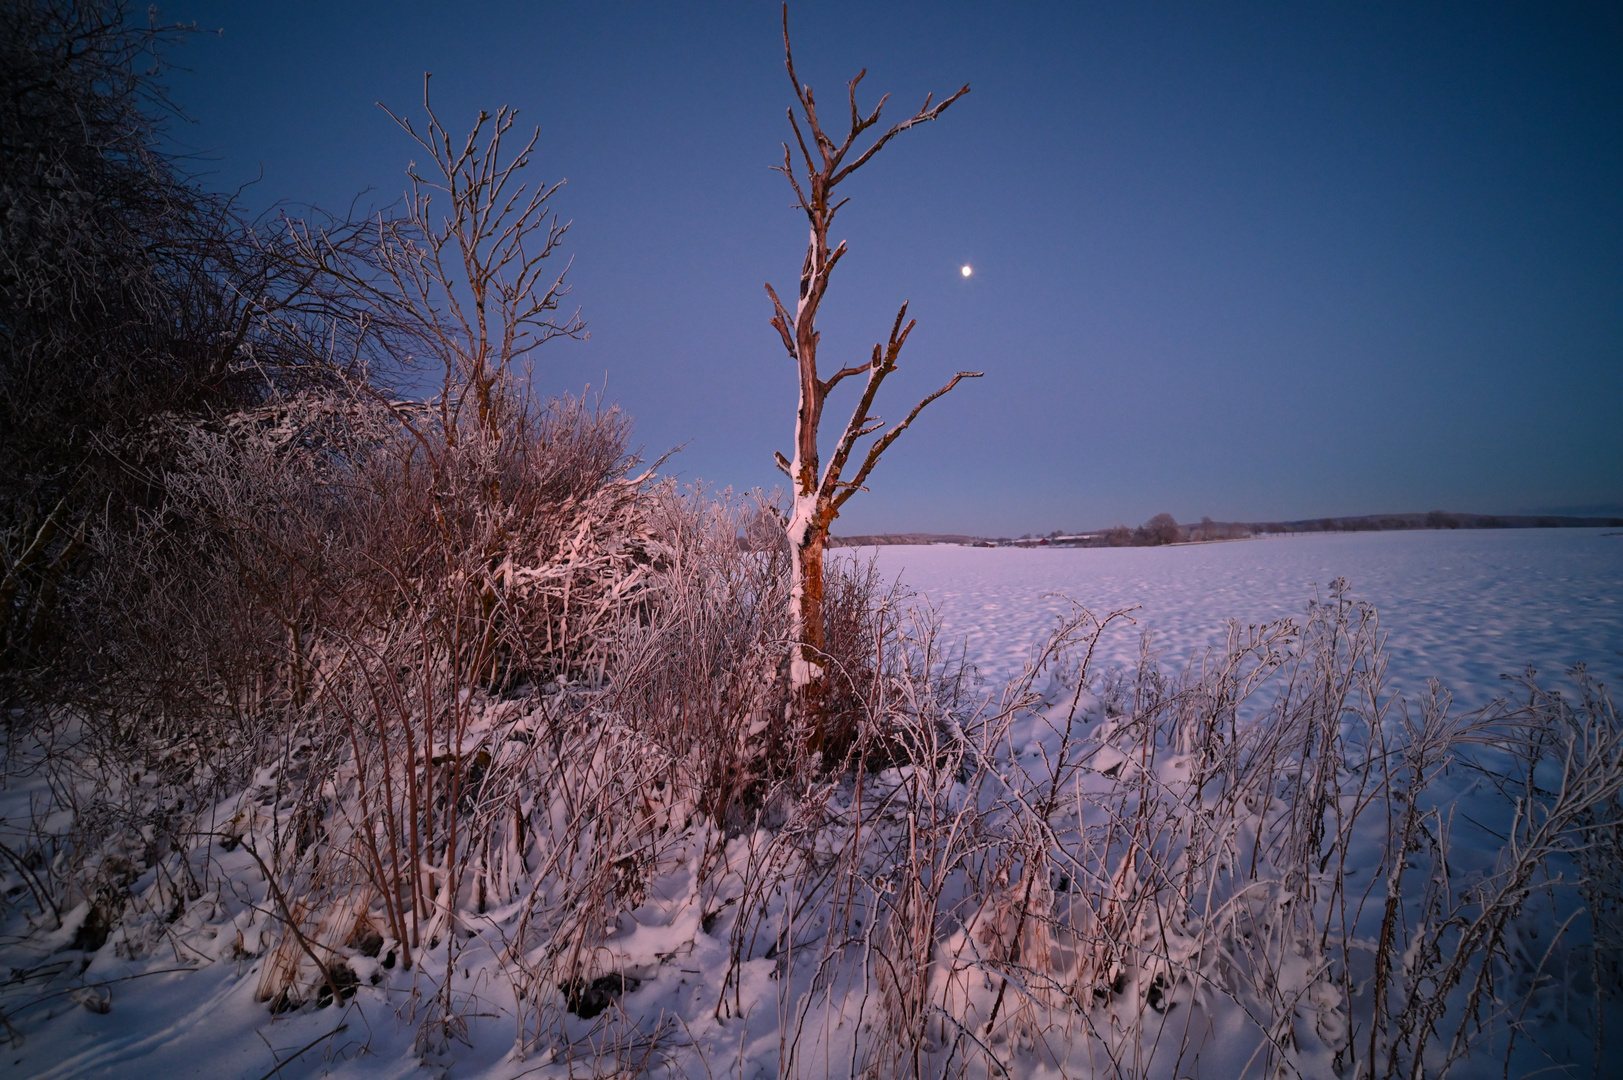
{"x": 1243, "y": 260}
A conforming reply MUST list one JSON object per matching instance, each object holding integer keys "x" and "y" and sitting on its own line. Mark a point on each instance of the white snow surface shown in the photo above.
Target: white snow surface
{"x": 1459, "y": 606}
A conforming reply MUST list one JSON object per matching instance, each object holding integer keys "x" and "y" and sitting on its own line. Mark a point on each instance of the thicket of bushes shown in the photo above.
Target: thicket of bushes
{"x": 129, "y": 296}
{"x": 238, "y": 567}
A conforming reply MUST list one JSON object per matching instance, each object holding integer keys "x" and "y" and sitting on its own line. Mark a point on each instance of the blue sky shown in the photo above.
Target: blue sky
{"x": 1245, "y": 261}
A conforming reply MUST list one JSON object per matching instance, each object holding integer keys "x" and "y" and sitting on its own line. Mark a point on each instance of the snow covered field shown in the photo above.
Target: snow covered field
{"x": 1460, "y": 606}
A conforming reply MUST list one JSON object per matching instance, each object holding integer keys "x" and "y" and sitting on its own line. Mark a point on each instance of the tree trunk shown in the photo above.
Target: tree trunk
{"x": 806, "y": 609}
{"x": 808, "y": 538}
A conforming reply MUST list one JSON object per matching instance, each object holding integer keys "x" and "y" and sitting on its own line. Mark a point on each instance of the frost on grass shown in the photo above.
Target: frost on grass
{"x": 1262, "y": 864}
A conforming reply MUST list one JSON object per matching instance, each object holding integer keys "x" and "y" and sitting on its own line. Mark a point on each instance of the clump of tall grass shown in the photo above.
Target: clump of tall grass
{"x": 1106, "y": 873}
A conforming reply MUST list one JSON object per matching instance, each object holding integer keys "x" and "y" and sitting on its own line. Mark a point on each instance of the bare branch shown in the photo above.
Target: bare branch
{"x": 851, "y": 89}
{"x": 881, "y": 365}
{"x": 923, "y": 116}
{"x": 787, "y": 169}
{"x": 811, "y": 166}
{"x": 834, "y": 380}
{"x": 781, "y": 320}
{"x": 883, "y": 443}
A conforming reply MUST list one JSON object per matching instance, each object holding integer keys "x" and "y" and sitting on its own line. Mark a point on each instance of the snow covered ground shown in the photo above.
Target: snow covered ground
{"x": 1459, "y": 606}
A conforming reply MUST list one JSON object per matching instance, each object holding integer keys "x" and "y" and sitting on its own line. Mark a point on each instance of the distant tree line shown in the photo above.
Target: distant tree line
{"x": 1164, "y": 529}
{"x": 1435, "y": 519}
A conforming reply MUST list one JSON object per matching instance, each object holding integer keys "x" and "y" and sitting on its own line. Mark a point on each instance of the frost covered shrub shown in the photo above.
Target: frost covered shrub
{"x": 390, "y": 649}
{"x": 450, "y": 789}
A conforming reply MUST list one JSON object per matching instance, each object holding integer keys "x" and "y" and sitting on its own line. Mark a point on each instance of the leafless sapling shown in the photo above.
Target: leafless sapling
{"x": 819, "y": 493}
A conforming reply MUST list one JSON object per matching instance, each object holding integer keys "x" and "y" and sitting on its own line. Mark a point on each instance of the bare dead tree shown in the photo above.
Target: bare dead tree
{"x": 818, "y": 495}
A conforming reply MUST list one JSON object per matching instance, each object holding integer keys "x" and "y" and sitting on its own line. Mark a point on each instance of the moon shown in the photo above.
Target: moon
{"x": 966, "y": 271}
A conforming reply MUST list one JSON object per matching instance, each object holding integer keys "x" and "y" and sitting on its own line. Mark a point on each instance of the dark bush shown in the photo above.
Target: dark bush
{"x": 127, "y": 294}
{"x": 1160, "y": 529}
